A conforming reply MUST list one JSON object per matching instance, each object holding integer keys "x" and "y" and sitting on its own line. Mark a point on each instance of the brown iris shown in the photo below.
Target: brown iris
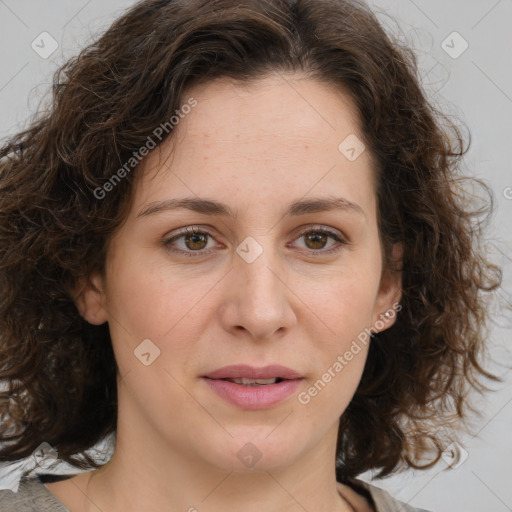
{"x": 316, "y": 236}
{"x": 197, "y": 238}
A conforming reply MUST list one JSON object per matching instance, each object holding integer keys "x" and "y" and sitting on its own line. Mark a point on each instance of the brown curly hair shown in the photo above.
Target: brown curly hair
{"x": 60, "y": 371}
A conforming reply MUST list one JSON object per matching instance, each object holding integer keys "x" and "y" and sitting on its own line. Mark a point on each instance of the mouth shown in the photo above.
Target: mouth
{"x": 257, "y": 375}
{"x": 254, "y": 382}
{"x": 254, "y": 388}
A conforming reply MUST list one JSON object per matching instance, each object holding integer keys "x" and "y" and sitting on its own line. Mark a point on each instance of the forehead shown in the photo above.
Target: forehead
{"x": 278, "y": 132}
{"x": 288, "y": 106}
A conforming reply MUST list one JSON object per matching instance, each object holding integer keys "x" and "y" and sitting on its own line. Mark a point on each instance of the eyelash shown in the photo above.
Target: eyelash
{"x": 195, "y": 231}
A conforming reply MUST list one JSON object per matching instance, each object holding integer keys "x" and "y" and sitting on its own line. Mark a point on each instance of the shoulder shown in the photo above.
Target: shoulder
{"x": 384, "y": 502}
{"x": 31, "y": 496}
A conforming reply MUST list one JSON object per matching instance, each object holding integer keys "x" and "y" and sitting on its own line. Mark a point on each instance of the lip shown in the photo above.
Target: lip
{"x": 250, "y": 372}
{"x": 253, "y": 397}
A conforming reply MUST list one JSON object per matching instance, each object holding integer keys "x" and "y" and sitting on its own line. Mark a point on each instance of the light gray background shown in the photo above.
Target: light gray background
{"x": 476, "y": 87}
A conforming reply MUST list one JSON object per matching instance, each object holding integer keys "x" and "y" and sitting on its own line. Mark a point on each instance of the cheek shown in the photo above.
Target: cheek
{"x": 341, "y": 308}
{"x": 146, "y": 298}
{"x": 330, "y": 391}
{"x": 340, "y": 302}
{"x": 155, "y": 301}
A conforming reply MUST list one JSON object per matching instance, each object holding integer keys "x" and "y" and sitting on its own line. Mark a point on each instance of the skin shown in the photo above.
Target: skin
{"x": 256, "y": 149}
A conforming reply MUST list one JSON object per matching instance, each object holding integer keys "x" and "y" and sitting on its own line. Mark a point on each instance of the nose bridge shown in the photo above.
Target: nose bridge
{"x": 257, "y": 262}
{"x": 261, "y": 299}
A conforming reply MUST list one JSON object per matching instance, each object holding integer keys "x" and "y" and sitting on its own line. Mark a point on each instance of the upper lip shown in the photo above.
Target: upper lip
{"x": 250, "y": 372}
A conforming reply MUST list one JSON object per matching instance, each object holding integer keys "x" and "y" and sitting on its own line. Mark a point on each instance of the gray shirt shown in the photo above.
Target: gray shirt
{"x": 33, "y": 496}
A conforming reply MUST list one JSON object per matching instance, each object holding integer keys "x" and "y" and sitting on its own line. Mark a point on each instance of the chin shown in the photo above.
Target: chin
{"x": 252, "y": 456}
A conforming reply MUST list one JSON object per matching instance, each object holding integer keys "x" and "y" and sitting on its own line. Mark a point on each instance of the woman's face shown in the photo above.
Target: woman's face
{"x": 260, "y": 287}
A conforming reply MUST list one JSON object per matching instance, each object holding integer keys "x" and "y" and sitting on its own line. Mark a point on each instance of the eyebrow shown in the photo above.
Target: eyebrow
{"x": 212, "y": 207}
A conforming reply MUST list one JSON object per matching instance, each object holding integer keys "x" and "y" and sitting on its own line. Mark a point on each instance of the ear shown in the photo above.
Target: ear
{"x": 90, "y": 299}
{"x": 389, "y": 294}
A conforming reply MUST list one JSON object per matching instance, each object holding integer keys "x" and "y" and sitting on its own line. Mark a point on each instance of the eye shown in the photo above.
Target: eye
{"x": 195, "y": 241}
{"x": 316, "y": 238}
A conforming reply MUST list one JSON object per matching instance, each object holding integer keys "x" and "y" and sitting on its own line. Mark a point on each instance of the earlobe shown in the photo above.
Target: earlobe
{"x": 90, "y": 300}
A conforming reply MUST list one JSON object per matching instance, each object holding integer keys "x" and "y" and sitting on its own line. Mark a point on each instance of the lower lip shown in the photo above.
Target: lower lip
{"x": 253, "y": 397}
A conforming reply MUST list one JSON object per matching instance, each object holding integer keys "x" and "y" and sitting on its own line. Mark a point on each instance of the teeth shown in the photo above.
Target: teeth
{"x": 253, "y": 382}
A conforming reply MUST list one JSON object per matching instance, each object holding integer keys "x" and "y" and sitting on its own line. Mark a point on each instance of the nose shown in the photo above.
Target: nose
{"x": 258, "y": 299}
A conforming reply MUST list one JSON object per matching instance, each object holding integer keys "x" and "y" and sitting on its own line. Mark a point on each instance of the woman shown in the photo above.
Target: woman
{"x": 167, "y": 274}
